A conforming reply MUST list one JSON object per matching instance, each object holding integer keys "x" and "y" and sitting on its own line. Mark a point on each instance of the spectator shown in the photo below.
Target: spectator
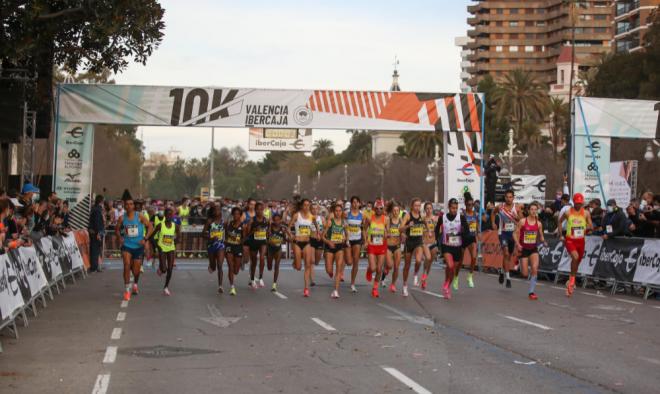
{"x": 96, "y": 233}
{"x": 565, "y": 206}
{"x": 614, "y": 222}
{"x": 597, "y": 214}
{"x": 491, "y": 170}
{"x": 547, "y": 217}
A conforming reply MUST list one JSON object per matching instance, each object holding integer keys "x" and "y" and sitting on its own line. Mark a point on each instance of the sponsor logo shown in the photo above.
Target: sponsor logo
{"x": 591, "y": 188}
{"x": 650, "y": 261}
{"x": 592, "y": 166}
{"x": 72, "y": 178}
{"x": 592, "y": 256}
{"x": 303, "y": 116}
{"x": 556, "y": 253}
{"x": 467, "y": 169}
{"x": 267, "y": 115}
{"x": 631, "y": 260}
{"x": 595, "y": 146}
{"x": 73, "y": 154}
{"x": 299, "y": 144}
{"x": 75, "y": 132}
{"x": 541, "y": 186}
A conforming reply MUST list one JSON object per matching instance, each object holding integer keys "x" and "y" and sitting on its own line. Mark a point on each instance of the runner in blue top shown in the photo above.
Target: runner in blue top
{"x": 355, "y": 222}
{"x": 130, "y": 232}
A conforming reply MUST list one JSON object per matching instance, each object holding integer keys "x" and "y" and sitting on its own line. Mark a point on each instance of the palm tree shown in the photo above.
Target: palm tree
{"x": 421, "y": 144}
{"x": 558, "y": 123}
{"x": 322, "y": 148}
{"x": 521, "y": 98}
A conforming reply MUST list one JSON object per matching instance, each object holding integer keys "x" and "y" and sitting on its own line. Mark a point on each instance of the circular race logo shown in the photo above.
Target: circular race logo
{"x": 303, "y": 116}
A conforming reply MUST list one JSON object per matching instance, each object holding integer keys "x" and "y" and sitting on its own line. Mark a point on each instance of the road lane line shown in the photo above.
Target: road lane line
{"x": 110, "y": 355}
{"x": 323, "y": 324}
{"x": 408, "y": 317}
{"x": 101, "y": 385}
{"x": 429, "y": 293}
{"x": 592, "y": 294}
{"x": 656, "y": 307}
{"x": 124, "y": 304}
{"x": 628, "y": 301}
{"x": 121, "y": 316}
{"x": 116, "y": 333}
{"x": 537, "y": 325}
{"x": 411, "y": 384}
{"x": 649, "y": 360}
{"x": 558, "y": 288}
{"x": 282, "y": 296}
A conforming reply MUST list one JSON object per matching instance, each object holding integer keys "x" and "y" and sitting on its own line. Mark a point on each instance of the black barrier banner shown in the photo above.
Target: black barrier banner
{"x": 60, "y": 253}
{"x": 618, "y": 259}
{"x": 648, "y": 264}
{"x": 550, "y": 255}
{"x": 71, "y": 247}
{"x": 49, "y": 261}
{"x": 21, "y": 275}
{"x": 11, "y": 298}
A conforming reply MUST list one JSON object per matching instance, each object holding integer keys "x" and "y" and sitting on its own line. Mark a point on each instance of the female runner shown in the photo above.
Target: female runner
{"x": 168, "y": 232}
{"x": 430, "y": 244}
{"x": 454, "y": 229}
{"x": 394, "y": 242}
{"x": 304, "y": 225}
{"x": 317, "y": 243}
{"x": 528, "y": 233}
{"x": 257, "y": 242}
{"x": 248, "y": 214}
{"x": 335, "y": 240}
{"x": 278, "y": 234}
{"x": 469, "y": 241}
{"x": 355, "y": 222}
{"x": 235, "y": 233}
{"x": 214, "y": 230}
{"x": 376, "y": 228}
{"x": 413, "y": 227}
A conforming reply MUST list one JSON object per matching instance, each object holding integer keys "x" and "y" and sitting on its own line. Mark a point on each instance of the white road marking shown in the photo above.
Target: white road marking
{"x": 628, "y": 301}
{"x": 408, "y": 317}
{"x": 323, "y": 324}
{"x": 414, "y": 386}
{"x": 116, "y": 333}
{"x": 650, "y": 360}
{"x": 110, "y": 355}
{"x": 429, "y": 293}
{"x": 124, "y": 304}
{"x": 558, "y": 288}
{"x": 282, "y": 296}
{"x": 101, "y": 385}
{"x": 121, "y": 316}
{"x": 592, "y": 294}
{"x": 217, "y": 319}
{"x": 656, "y": 307}
{"x": 537, "y": 325}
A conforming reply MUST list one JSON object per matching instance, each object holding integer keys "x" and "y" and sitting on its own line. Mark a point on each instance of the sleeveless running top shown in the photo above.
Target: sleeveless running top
{"x": 247, "y": 217}
{"x": 376, "y": 230}
{"x": 234, "y": 235}
{"x": 166, "y": 237}
{"x": 277, "y": 236}
{"x": 260, "y": 228}
{"x": 133, "y": 231}
{"x": 529, "y": 234}
{"x": 394, "y": 232}
{"x": 416, "y": 227}
{"x": 473, "y": 222}
{"x": 451, "y": 231}
{"x": 354, "y": 226}
{"x": 319, "y": 224}
{"x": 335, "y": 232}
{"x": 576, "y": 226}
{"x": 508, "y": 220}
{"x": 303, "y": 226}
{"x": 216, "y": 230}
{"x": 184, "y": 212}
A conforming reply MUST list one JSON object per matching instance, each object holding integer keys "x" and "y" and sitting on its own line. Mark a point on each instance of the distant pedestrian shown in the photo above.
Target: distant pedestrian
{"x": 96, "y": 233}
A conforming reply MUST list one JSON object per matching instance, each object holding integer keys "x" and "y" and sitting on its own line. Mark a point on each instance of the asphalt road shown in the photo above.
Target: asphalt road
{"x": 484, "y": 340}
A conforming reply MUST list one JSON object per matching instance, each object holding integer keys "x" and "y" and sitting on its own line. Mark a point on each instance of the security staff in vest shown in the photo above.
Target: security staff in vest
{"x": 614, "y": 221}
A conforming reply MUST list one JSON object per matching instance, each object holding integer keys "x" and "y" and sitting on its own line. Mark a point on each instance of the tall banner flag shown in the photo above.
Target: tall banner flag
{"x": 73, "y": 161}
{"x": 623, "y": 180}
{"x": 462, "y": 158}
{"x": 590, "y": 160}
{"x": 527, "y": 188}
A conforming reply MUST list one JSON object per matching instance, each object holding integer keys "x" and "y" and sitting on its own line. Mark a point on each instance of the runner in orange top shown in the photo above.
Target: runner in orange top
{"x": 376, "y": 228}
{"x": 578, "y": 223}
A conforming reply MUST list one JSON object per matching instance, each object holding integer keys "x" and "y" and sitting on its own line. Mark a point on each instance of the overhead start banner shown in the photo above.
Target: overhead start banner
{"x": 291, "y": 140}
{"x": 268, "y": 108}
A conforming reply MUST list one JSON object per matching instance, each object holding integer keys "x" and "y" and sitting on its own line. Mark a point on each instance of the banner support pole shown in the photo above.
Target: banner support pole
{"x": 481, "y": 180}
{"x": 591, "y": 148}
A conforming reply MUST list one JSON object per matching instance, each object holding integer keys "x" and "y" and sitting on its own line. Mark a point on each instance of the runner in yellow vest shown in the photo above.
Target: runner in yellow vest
{"x": 166, "y": 233}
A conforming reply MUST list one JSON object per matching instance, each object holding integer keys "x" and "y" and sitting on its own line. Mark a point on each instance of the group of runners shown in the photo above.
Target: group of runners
{"x": 341, "y": 232}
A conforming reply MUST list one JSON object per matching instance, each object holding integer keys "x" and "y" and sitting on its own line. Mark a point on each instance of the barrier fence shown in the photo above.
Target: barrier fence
{"x": 29, "y": 274}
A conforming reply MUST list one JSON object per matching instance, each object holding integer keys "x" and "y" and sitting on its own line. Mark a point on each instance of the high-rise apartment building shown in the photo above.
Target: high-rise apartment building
{"x": 631, "y": 22}
{"x": 529, "y": 34}
{"x": 466, "y": 64}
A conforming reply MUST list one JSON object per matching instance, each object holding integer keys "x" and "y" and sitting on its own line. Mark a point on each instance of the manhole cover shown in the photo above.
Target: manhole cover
{"x": 164, "y": 351}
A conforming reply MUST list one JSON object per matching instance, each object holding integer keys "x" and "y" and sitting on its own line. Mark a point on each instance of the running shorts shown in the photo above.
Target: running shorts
{"x": 136, "y": 253}
{"x": 507, "y": 242}
{"x": 338, "y": 248}
{"x": 454, "y": 251}
{"x": 468, "y": 240}
{"x": 256, "y": 245}
{"x": 525, "y": 253}
{"x": 411, "y": 245}
{"x": 377, "y": 250}
{"x": 431, "y": 246}
{"x": 234, "y": 250}
{"x": 354, "y": 242}
{"x": 302, "y": 244}
{"x": 575, "y": 245}
{"x": 316, "y": 243}
{"x": 215, "y": 247}
{"x": 393, "y": 248}
{"x": 274, "y": 249}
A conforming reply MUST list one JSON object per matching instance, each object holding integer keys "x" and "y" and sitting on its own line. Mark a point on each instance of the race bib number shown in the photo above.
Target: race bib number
{"x": 168, "y": 240}
{"x": 394, "y": 233}
{"x": 529, "y": 238}
{"x": 430, "y": 227}
{"x": 132, "y": 230}
{"x": 337, "y": 237}
{"x": 454, "y": 240}
{"x": 509, "y": 226}
{"x": 473, "y": 227}
{"x": 416, "y": 231}
{"x": 578, "y": 232}
{"x": 217, "y": 234}
{"x": 353, "y": 229}
{"x": 234, "y": 239}
{"x": 260, "y": 235}
{"x": 377, "y": 240}
{"x": 609, "y": 229}
{"x": 276, "y": 240}
{"x": 304, "y": 231}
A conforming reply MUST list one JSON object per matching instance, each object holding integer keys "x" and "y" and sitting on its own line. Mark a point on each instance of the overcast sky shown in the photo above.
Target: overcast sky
{"x": 338, "y": 44}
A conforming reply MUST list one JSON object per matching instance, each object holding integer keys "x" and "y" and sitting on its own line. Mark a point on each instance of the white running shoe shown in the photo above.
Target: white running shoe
{"x": 261, "y": 283}
{"x": 353, "y": 289}
{"x": 383, "y": 284}
{"x": 335, "y": 294}
{"x": 220, "y": 290}
{"x": 405, "y": 291}
{"x": 415, "y": 280}
{"x": 166, "y": 291}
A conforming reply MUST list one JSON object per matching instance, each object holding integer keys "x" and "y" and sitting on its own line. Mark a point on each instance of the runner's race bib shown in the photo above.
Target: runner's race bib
{"x": 354, "y": 229}
{"x": 132, "y": 230}
{"x": 454, "y": 240}
{"x": 416, "y": 231}
{"x": 377, "y": 239}
{"x": 609, "y": 229}
{"x": 260, "y": 235}
{"x": 337, "y": 237}
{"x": 509, "y": 226}
{"x": 394, "y": 232}
{"x": 529, "y": 238}
{"x": 473, "y": 227}
{"x": 168, "y": 240}
{"x": 578, "y": 232}
{"x": 234, "y": 239}
{"x": 219, "y": 234}
{"x": 304, "y": 231}
{"x": 276, "y": 240}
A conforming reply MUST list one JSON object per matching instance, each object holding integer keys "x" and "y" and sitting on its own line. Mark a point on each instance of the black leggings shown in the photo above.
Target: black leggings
{"x": 166, "y": 265}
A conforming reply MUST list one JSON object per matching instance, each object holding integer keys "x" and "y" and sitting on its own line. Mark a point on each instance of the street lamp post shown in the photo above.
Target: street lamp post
{"x": 212, "y": 182}
{"x": 436, "y": 169}
{"x": 345, "y": 182}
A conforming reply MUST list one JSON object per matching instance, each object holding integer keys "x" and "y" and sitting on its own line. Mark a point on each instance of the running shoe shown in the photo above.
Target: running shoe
{"x": 252, "y": 285}
{"x": 341, "y": 277}
{"x": 501, "y": 278}
{"x": 369, "y": 275}
{"x": 220, "y": 290}
{"x": 159, "y": 272}
{"x": 232, "y": 291}
{"x": 446, "y": 292}
{"x": 470, "y": 281}
{"x": 274, "y": 287}
{"x": 415, "y": 280}
{"x": 454, "y": 283}
{"x": 211, "y": 270}
{"x": 353, "y": 289}
{"x": 135, "y": 289}
{"x": 423, "y": 285}
{"x": 570, "y": 287}
{"x": 508, "y": 283}
{"x": 261, "y": 283}
{"x": 166, "y": 291}
{"x": 383, "y": 284}
{"x": 312, "y": 284}
{"x": 374, "y": 292}
{"x": 142, "y": 269}
{"x": 335, "y": 294}
{"x": 330, "y": 274}
{"x": 405, "y": 291}
{"x": 127, "y": 295}
{"x": 392, "y": 288}
{"x": 306, "y": 292}
{"x": 533, "y": 297}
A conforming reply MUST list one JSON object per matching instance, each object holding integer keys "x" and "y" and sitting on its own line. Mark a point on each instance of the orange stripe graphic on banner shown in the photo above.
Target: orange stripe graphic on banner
{"x": 474, "y": 115}
{"x": 326, "y": 104}
{"x": 311, "y": 104}
{"x": 374, "y": 103}
{"x": 381, "y": 101}
{"x": 358, "y": 99}
{"x": 365, "y": 100}
{"x": 432, "y": 110}
{"x": 332, "y": 102}
{"x": 319, "y": 105}
{"x": 339, "y": 104}
{"x": 346, "y": 103}
{"x": 401, "y": 107}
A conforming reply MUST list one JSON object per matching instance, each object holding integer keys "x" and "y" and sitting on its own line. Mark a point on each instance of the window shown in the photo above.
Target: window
{"x": 513, "y": 11}
{"x": 561, "y": 78}
{"x": 529, "y": 23}
{"x": 529, "y": 11}
{"x": 600, "y": 17}
{"x": 600, "y": 29}
{"x": 513, "y": 36}
{"x": 498, "y": 23}
{"x": 513, "y": 23}
{"x": 500, "y": 11}
{"x": 513, "y": 48}
{"x": 529, "y": 48}
{"x": 498, "y": 48}
{"x": 540, "y": 23}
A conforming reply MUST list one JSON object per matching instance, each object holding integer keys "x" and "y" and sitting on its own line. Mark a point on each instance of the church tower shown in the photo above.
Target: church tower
{"x": 387, "y": 141}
